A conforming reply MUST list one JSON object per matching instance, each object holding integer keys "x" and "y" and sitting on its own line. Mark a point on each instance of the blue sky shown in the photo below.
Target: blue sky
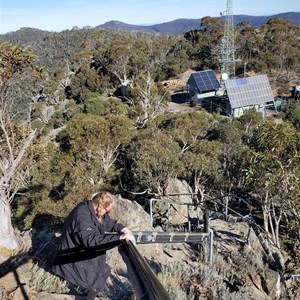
{"x": 57, "y": 15}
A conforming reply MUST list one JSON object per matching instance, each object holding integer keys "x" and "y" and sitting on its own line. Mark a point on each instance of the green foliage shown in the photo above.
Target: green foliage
{"x": 156, "y": 160}
{"x": 14, "y": 60}
{"x": 274, "y": 172}
{"x": 248, "y": 123}
{"x": 293, "y": 114}
{"x": 94, "y": 104}
{"x": 115, "y": 106}
{"x": 273, "y": 48}
{"x": 276, "y": 141}
{"x": 17, "y": 64}
{"x": 203, "y": 52}
{"x": 202, "y": 167}
{"x": 61, "y": 116}
{"x": 15, "y": 137}
{"x": 250, "y": 119}
{"x": 186, "y": 128}
{"x": 77, "y": 90}
{"x": 148, "y": 100}
{"x": 275, "y": 159}
{"x": 90, "y": 145}
{"x": 235, "y": 154}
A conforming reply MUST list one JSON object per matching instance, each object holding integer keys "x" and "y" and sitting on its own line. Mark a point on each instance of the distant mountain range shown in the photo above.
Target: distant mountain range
{"x": 180, "y": 26}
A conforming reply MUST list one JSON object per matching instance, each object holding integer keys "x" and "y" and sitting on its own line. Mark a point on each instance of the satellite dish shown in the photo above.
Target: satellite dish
{"x": 224, "y": 76}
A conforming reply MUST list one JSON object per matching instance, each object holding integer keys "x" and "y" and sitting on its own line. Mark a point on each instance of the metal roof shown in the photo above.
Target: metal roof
{"x": 249, "y": 91}
{"x": 205, "y": 81}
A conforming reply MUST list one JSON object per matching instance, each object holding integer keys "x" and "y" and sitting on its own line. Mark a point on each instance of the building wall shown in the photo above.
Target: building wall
{"x": 239, "y": 111}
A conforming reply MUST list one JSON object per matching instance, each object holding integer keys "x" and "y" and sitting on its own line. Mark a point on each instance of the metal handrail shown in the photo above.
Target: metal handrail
{"x": 145, "y": 283}
{"x": 172, "y": 201}
{"x": 197, "y": 204}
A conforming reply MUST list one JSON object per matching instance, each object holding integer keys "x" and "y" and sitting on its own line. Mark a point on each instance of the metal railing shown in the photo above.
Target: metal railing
{"x": 172, "y": 201}
{"x": 150, "y": 237}
{"x": 145, "y": 283}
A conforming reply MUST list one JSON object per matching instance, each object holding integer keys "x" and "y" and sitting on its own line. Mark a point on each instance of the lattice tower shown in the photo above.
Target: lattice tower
{"x": 227, "y": 51}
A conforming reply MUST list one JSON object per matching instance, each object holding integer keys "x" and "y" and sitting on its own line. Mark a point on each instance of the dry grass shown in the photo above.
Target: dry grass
{"x": 43, "y": 281}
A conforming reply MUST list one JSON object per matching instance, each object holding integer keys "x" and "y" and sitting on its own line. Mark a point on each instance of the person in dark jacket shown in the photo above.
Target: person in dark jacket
{"x": 81, "y": 254}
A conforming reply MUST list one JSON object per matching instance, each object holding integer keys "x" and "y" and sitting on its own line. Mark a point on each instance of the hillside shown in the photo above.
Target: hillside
{"x": 178, "y": 26}
{"x": 25, "y": 35}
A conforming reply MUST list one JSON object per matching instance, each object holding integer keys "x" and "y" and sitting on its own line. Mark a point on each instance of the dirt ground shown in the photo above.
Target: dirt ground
{"x": 178, "y": 83}
{"x": 178, "y": 89}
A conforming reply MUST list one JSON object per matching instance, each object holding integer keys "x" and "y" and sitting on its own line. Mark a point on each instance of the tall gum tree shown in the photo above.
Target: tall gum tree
{"x": 94, "y": 143}
{"x": 274, "y": 174}
{"x": 147, "y": 99}
{"x": 14, "y": 138}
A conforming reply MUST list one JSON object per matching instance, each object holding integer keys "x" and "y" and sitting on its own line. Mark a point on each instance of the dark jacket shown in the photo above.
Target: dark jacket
{"x": 81, "y": 253}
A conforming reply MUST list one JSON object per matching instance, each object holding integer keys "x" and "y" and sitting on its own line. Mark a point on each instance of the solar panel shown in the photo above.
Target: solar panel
{"x": 249, "y": 91}
{"x": 205, "y": 81}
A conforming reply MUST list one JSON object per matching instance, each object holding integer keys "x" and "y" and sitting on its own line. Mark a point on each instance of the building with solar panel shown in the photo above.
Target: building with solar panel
{"x": 232, "y": 98}
{"x": 249, "y": 92}
{"x": 202, "y": 85}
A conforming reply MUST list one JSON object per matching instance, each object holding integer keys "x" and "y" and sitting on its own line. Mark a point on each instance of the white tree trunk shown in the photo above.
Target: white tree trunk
{"x": 9, "y": 187}
{"x": 7, "y": 235}
{"x": 266, "y": 211}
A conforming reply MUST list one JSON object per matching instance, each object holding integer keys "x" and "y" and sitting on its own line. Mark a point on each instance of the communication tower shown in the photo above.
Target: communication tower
{"x": 227, "y": 47}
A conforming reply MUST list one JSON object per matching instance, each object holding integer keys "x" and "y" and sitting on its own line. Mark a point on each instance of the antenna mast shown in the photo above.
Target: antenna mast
{"x": 227, "y": 51}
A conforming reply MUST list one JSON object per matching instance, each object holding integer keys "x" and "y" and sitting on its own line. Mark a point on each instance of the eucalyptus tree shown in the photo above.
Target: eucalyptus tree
{"x": 206, "y": 41}
{"x": 112, "y": 54}
{"x": 177, "y": 60}
{"x": 15, "y": 138}
{"x": 235, "y": 154}
{"x": 91, "y": 145}
{"x": 199, "y": 156}
{"x": 186, "y": 128}
{"x": 202, "y": 166}
{"x": 292, "y": 113}
{"x": 142, "y": 56}
{"x": 152, "y": 161}
{"x": 148, "y": 100}
{"x": 281, "y": 47}
{"x": 248, "y": 47}
{"x": 169, "y": 56}
{"x": 274, "y": 174}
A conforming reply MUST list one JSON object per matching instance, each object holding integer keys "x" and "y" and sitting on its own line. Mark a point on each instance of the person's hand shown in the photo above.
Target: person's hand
{"x": 125, "y": 230}
{"x": 128, "y": 237}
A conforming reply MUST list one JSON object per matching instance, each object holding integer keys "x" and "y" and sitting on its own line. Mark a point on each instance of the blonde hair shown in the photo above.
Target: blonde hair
{"x": 102, "y": 200}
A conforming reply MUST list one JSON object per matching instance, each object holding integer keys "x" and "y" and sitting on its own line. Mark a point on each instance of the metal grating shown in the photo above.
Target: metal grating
{"x": 150, "y": 237}
{"x": 249, "y": 91}
{"x": 205, "y": 81}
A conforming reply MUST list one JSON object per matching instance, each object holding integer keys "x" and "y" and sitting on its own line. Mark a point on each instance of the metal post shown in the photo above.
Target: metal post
{"x": 206, "y": 220}
{"x": 189, "y": 217}
{"x": 211, "y": 243}
{"x": 245, "y": 65}
{"x": 226, "y": 207}
{"x": 248, "y": 235}
{"x": 198, "y": 217}
{"x": 151, "y": 211}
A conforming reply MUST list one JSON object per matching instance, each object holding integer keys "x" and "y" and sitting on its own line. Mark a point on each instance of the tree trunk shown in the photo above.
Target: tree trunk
{"x": 266, "y": 211}
{"x": 277, "y": 220}
{"x": 7, "y": 235}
